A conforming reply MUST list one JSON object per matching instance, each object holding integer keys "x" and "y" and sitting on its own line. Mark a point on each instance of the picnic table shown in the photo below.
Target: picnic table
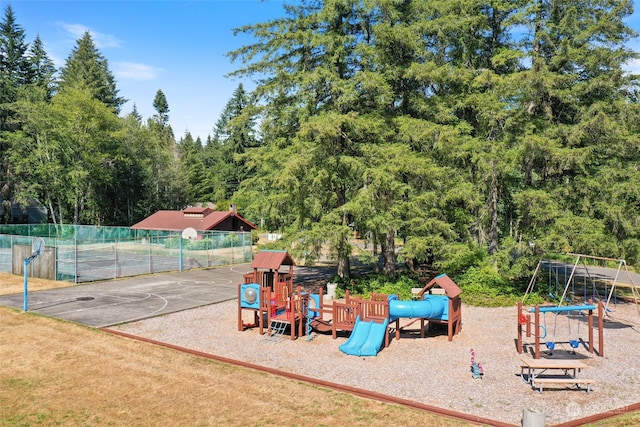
{"x": 554, "y": 371}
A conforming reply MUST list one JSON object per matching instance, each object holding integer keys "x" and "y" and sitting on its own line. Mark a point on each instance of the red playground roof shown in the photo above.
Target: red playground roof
{"x": 272, "y": 260}
{"x": 451, "y": 289}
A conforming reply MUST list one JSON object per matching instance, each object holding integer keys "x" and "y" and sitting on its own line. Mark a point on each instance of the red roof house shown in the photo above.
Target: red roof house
{"x": 199, "y": 218}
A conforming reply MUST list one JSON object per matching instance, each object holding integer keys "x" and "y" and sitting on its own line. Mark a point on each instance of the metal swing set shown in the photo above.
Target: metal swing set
{"x": 610, "y": 290}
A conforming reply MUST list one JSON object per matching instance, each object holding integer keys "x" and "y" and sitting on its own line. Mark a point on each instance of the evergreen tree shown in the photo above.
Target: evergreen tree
{"x": 310, "y": 167}
{"x": 164, "y": 156}
{"x": 485, "y": 114}
{"x": 41, "y": 70}
{"x": 161, "y": 106}
{"x": 135, "y": 114}
{"x": 86, "y": 68}
{"x": 577, "y": 101}
{"x": 14, "y": 75}
{"x": 233, "y": 135}
{"x": 14, "y": 64}
{"x": 193, "y": 167}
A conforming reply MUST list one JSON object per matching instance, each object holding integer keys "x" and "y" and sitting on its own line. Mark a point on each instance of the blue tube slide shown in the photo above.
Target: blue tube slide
{"x": 366, "y": 338}
{"x": 431, "y": 307}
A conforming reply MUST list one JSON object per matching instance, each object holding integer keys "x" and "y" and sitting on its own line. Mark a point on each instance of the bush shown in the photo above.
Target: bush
{"x": 483, "y": 286}
{"x": 379, "y": 283}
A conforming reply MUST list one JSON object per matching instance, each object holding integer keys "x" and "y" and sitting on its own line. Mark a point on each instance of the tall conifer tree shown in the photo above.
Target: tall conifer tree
{"x": 87, "y": 69}
{"x": 41, "y": 69}
{"x": 234, "y": 134}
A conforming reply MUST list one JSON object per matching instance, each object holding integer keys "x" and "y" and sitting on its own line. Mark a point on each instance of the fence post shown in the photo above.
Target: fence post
{"x": 180, "y": 255}
{"x": 75, "y": 261}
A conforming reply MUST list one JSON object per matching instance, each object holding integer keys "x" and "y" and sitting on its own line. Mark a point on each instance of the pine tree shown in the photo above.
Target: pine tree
{"x": 14, "y": 64}
{"x": 86, "y": 68}
{"x": 161, "y": 106}
{"x": 164, "y": 154}
{"x": 14, "y": 76}
{"x": 13, "y": 48}
{"x": 41, "y": 69}
{"x": 481, "y": 110}
{"x": 233, "y": 135}
{"x": 193, "y": 169}
{"x": 310, "y": 62}
{"x": 578, "y": 103}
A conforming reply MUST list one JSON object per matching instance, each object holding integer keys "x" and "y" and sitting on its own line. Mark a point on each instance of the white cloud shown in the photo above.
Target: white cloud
{"x": 633, "y": 66}
{"x": 135, "y": 71}
{"x": 100, "y": 40}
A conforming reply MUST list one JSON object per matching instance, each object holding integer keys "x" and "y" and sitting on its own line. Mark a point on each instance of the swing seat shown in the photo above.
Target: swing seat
{"x": 550, "y": 345}
{"x": 544, "y": 332}
{"x": 574, "y": 343}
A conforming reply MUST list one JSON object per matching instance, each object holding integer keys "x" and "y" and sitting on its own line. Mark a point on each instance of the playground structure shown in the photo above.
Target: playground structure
{"x": 277, "y": 305}
{"x": 268, "y": 293}
{"x": 541, "y": 332}
{"x": 372, "y": 321}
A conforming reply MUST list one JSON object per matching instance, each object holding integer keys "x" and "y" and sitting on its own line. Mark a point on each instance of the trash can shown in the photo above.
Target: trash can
{"x": 533, "y": 417}
{"x": 331, "y": 290}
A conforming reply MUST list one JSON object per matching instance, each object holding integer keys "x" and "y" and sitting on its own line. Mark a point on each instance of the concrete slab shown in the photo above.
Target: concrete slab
{"x": 109, "y": 303}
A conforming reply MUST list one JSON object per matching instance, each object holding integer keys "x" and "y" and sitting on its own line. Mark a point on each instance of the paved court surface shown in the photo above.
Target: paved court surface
{"x": 118, "y": 301}
{"x": 109, "y": 303}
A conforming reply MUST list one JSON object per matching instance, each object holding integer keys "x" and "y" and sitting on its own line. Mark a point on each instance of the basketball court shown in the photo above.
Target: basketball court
{"x": 109, "y": 303}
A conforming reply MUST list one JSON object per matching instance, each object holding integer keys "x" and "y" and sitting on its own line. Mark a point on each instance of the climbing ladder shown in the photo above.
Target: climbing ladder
{"x": 276, "y": 330}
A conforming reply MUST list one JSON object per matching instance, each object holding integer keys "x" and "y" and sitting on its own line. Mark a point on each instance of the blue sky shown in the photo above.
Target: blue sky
{"x": 175, "y": 46}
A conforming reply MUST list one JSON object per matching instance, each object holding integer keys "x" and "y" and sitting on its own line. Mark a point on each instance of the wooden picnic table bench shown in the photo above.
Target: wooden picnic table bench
{"x": 578, "y": 382}
{"x": 541, "y": 371}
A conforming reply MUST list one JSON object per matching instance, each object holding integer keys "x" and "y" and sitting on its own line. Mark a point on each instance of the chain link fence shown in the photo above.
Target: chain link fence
{"x": 81, "y": 253}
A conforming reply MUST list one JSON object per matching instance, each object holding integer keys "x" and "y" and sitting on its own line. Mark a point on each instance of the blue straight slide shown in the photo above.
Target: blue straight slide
{"x": 366, "y": 338}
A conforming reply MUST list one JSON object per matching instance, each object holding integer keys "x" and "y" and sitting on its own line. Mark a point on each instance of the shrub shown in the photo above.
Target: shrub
{"x": 483, "y": 286}
{"x": 378, "y": 283}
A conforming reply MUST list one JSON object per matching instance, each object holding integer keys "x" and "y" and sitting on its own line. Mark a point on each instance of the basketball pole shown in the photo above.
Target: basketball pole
{"x": 37, "y": 247}
{"x": 27, "y": 261}
{"x": 25, "y": 306}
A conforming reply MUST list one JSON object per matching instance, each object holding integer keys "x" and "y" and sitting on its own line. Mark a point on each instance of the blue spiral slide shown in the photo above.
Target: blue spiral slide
{"x": 367, "y": 337}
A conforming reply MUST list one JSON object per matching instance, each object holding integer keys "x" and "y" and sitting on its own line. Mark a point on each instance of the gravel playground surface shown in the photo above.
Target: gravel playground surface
{"x": 432, "y": 371}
